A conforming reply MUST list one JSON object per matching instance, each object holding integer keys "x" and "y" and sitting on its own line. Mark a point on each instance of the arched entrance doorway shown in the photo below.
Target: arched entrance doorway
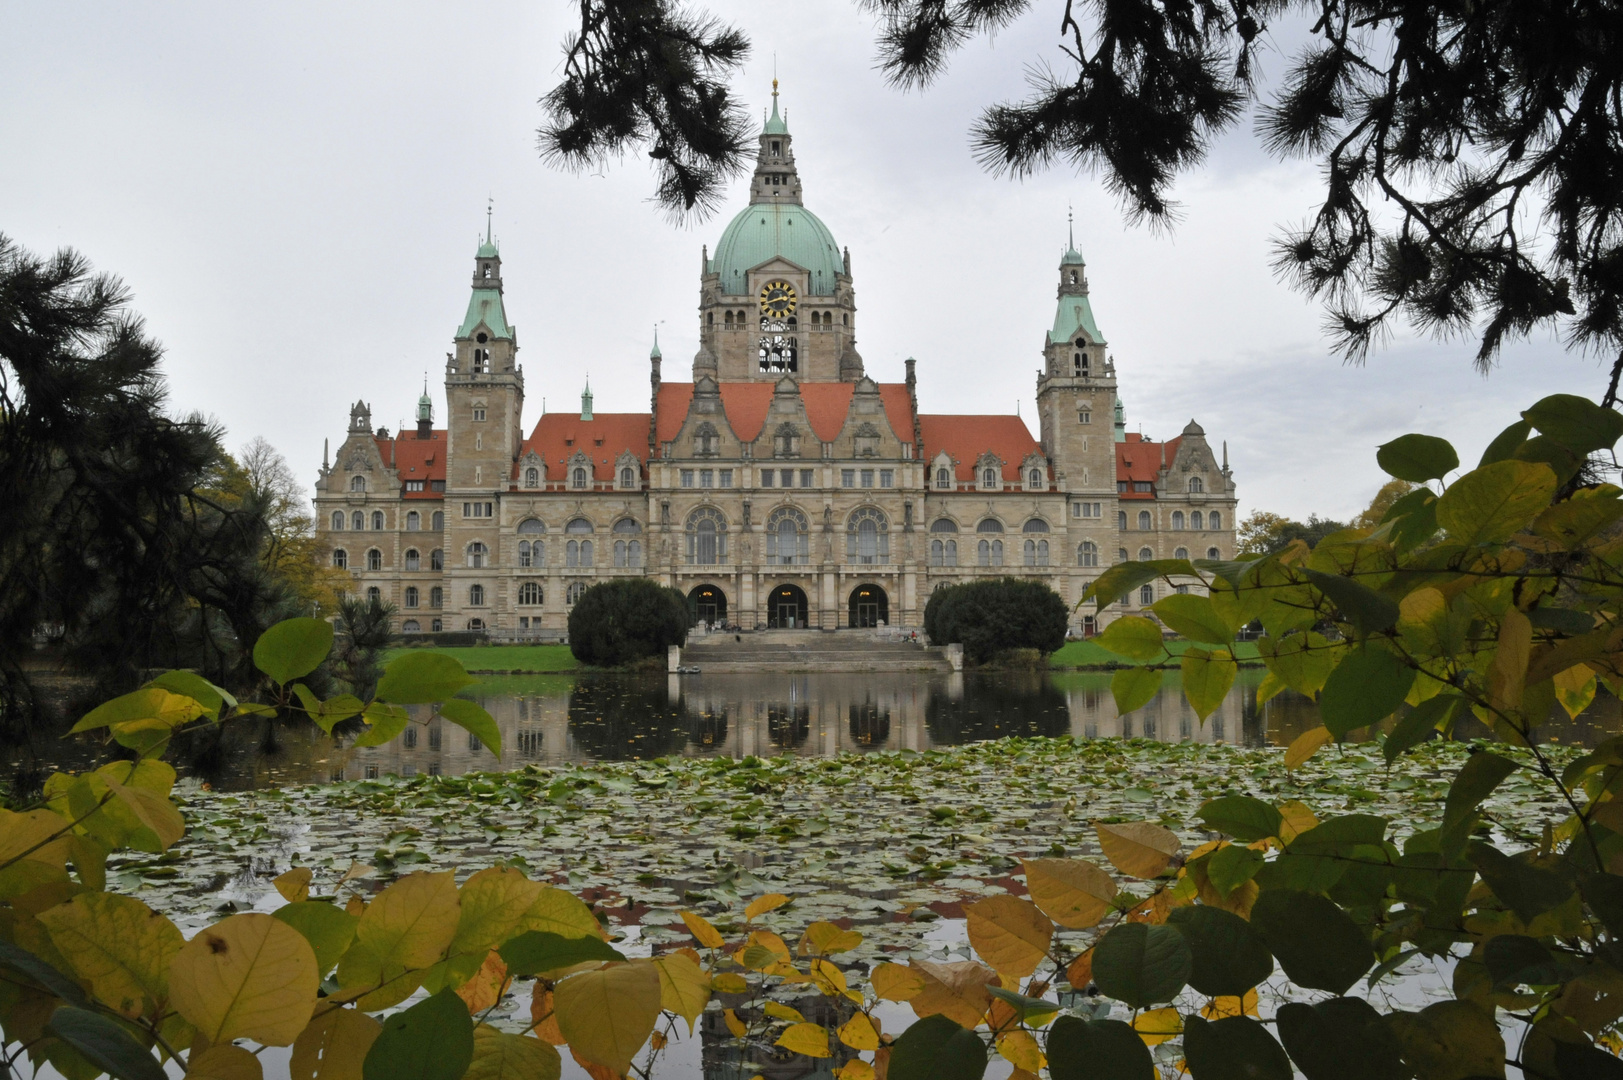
{"x": 708, "y": 604}
{"x": 786, "y": 607}
{"x": 869, "y": 606}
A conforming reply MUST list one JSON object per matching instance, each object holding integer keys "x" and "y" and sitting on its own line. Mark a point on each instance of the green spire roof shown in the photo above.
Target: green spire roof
{"x": 485, "y": 306}
{"x": 654, "y": 353}
{"x": 775, "y": 126}
{"x": 425, "y": 404}
{"x": 1074, "y": 314}
{"x": 1072, "y": 257}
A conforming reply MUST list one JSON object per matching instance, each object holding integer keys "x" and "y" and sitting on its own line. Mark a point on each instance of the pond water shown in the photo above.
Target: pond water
{"x": 561, "y": 719}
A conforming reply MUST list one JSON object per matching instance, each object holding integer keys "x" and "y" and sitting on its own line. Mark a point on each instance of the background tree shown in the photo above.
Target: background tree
{"x": 1469, "y": 152}
{"x": 290, "y": 543}
{"x": 1373, "y": 514}
{"x": 1264, "y": 533}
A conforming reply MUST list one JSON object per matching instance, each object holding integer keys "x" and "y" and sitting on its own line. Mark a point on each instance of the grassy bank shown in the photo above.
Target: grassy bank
{"x": 1087, "y": 654}
{"x": 524, "y": 658}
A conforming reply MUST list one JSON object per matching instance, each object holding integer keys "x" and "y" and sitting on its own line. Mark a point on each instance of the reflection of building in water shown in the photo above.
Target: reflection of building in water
{"x": 725, "y": 1058}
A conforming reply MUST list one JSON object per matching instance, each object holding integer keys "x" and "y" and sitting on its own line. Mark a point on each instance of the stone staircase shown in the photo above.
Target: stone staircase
{"x": 809, "y": 650}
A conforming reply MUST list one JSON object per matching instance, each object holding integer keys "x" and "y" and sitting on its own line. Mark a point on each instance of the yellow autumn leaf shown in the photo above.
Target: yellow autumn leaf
{"x": 485, "y": 988}
{"x": 702, "y": 931}
{"x": 223, "y": 1062}
{"x": 734, "y": 1024}
{"x": 1220, "y": 1007}
{"x": 40, "y": 838}
{"x": 500, "y": 1056}
{"x": 763, "y": 904}
{"x": 295, "y": 884}
{"x": 356, "y": 871}
{"x": 1575, "y": 689}
{"x": 333, "y": 1046}
{"x": 1306, "y": 745}
{"x": 153, "y": 810}
{"x": 120, "y": 946}
{"x": 249, "y": 976}
{"x": 779, "y": 1011}
{"x": 831, "y": 980}
{"x": 495, "y": 902}
{"x": 545, "y": 1021}
{"x": 855, "y": 1070}
{"x": 729, "y": 982}
{"x": 956, "y": 991}
{"x": 1020, "y": 1050}
{"x": 404, "y": 931}
{"x": 1073, "y": 892}
{"x": 858, "y": 1033}
{"x": 826, "y": 939}
{"x": 557, "y": 912}
{"x": 608, "y": 1014}
{"x": 1009, "y": 933}
{"x": 1158, "y": 1025}
{"x": 894, "y": 982}
{"x": 1295, "y": 819}
{"x": 808, "y": 1039}
{"x": 1138, "y": 849}
{"x": 684, "y": 988}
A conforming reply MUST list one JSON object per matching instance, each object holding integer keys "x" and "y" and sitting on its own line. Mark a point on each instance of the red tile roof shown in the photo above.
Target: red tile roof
{"x": 557, "y": 437}
{"x": 1137, "y": 459}
{"x": 746, "y": 404}
{"x": 966, "y": 438}
{"x": 417, "y": 459}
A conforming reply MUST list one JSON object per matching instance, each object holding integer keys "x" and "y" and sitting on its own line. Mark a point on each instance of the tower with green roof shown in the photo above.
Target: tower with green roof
{"x": 776, "y": 297}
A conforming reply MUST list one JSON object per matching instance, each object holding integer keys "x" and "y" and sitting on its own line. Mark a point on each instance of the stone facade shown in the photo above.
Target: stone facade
{"x": 781, "y": 486}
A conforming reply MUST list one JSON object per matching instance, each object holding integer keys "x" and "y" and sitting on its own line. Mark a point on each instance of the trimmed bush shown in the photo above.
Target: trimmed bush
{"x": 621, "y": 622}
{"x": 990, "y": 617}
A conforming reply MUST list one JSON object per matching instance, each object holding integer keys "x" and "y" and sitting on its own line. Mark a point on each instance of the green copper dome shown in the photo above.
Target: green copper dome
{"x": 764, "y": 230}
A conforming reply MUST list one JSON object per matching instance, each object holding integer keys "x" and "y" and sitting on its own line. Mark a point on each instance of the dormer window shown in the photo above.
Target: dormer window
{"x": 989, "y": 478}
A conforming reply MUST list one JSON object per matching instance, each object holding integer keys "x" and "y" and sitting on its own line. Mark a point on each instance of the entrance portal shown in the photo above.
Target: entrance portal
{"x": 786, "y": 608}
{"x": 869, "y": 606}
{"x": 708, "y": 605}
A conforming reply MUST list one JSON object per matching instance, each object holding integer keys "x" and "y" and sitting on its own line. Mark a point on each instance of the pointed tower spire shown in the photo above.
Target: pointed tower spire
{"x": 586, "y": 400}
{"x": 325, "y": 447}
{"x": 776, "y": 180}
{"x": 654, "y": 353}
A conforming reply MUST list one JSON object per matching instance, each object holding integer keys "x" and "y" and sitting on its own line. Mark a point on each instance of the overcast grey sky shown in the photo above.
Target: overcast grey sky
{"x": 292, "y": 192}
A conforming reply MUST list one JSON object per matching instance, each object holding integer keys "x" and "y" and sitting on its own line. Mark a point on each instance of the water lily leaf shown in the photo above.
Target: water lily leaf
{"x": 432, "y": 1040}
{"x": 120, "y": 946}
{"x": 293, "y": 648}
{"x": 608, "y": 1014}
{"x": 1009, "y": 933}
{"x": 1073, "y": 892}
{"x": 248, "y": 976}
{"x": 1138, "y": 849}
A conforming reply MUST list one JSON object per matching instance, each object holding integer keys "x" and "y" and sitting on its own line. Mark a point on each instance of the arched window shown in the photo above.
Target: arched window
{"x": 337, "y": 520}
{"x": 340, "y": 558}
{"x": 476, "y": 596}
{"x": 943, "y": 553}
{"x": 531, "y": 553}
{"x": 532, "y": 477}
{"x": 412, "y": 596}
{"x": 628, "y": 553}
{"x": 1121, "y": 520}
{"x": 1144, "y": 521}
{"x": 1196, "y": 484}
{"x": 1181, "y": 553}
{"x": 414, "y": 521}
{"x": 989, "y": 553}
{"x": 374, "y": 596}
{"x": 411, "y": 626}
{"x": 579, "y": 477}
{"x": 1214, "y": 520}
{"x": 786, "y": 440}
{"x": 1035, "y": 525}
{"x": 989, "y": 525}
{"x": 1146, "y": 595}
{"x": 578, "y": 553}
{"x": 578, "y": 526}
{"x": 357, "y": 483}
{"x": 476, "y": 624}
{"x": 1121, "y": 555}
{"x": 943, "y": 525}
{"x": 414, "y": 561}
{"x": 530, "y": 527}
{"x": 437, "y": 522}
{"x": 374, "y": 559}
{"x": 573, "y": 593}
{"x": 1177, "y": 519}
{"x": 1145, "y": 555}
{"x": 989, "y": 478}
{"x": 867, "y": 536}
{"x": 1213, "y": 553}
{"x": 436, "y": 559}
{"x": 1036, "y": 552}
{"x": 788, "y": 537}
{"x": 1087, "y": 554}
{"x": 1196, "y": 521}
{"x": 727, "y": 319}
{"x": 705, "y": 440}
{"x": 377, "y": 521}
{"x": 628, "y": 477}
{"x": 707, "y": 537}
{"x": 357, "y": 521}
{"x": 477, "y": 553}
{"x": 943, "y": 477}
{"x": 529, "y": 594}
{"x": 1036, "y": 478}
{"x": 627, "y": 527}
{"x": 436, "y": 597}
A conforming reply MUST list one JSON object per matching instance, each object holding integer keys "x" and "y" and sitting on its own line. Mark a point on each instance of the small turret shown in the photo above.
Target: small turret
{"x": 425, "y": 414}
{"x": 775, "y": 180}
{"x": 586, "y": 401}
{"x": 1121, "y": 421}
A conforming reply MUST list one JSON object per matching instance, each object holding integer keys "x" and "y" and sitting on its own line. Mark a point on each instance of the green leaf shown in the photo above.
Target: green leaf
{"x": 536, "y": 951}
{"x": 1134, "y": 687}
{"x": 1417, "y": 524}
{"x": 1207, "y": 679}
{"x": 328, "y": 929}
{"x": 1362, "y": 606}
{"x": 1141, "y": 965}
{"x": 1193, "y": 616}
{"x": 1241, "y": 817}
{"x": 25, "y": 963}
{"x": 1527, "y": 890}
{"x": 936, "y": 1048}
{"x": 1475, "y": 781}
{"x": 419, "y": 677}
{"x": 1577, "y": 1061}
{"x": 1301, "y": 661}
{"x": 1505, "y": 444}
{"x": 105, "y": 1044}
{"x": 1343, "y": 1038}
{"x": 1576, "y": 422}
{"x": 194, "y": 686}
{"x": 1339, "y": 835}
{"x": 1514, "y": 959}
{"x": 1417, "y": 458}
{"x": 1123, "y": 578}
{"x": 1026, "y": 1008}
{"x": 1317, "y": 943}
{"x": 1134, "y": 637}
{"x": 1097, "y": 1050}
{"x": 327, "y": 714}
{"x": 145, "y": 704}
{"x": 1451, "y": 1040}
{"x": 387, "y": 721}
{"x": 1232, "y": 866}
{"x": 1233, "y": 1048}
{"x": 293, "y": 648}
{"x": 1228, "y": 957}
{"x": 1491, "y": 504}
{"x": 1365, "y": 688}
{"x": 1543, "y": 450}
{"x": 1416, "y": 725}
{"x": 475, "y": 720}
{"x": 432, "y": 1040}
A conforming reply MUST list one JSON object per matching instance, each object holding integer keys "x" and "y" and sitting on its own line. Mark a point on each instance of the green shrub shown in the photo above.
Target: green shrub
{"x": 990, "y": 617}
{"x": 621, "y": 622}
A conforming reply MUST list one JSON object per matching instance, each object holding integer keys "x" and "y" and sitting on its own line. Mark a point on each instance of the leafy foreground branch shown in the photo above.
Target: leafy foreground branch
{"x": 1498, "y": 595}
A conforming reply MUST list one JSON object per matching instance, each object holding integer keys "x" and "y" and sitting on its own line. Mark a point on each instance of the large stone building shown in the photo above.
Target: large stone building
{"x": 782, "y": 486}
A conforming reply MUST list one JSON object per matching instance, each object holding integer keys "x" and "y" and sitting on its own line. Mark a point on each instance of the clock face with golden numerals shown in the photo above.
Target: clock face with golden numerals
{"x": 777, "y": 300}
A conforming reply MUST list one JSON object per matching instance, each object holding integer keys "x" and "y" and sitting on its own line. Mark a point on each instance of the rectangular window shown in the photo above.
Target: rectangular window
{"x": 414, "y": 485}
{"x": 707, "y": 478}
{"x": 786, "y": 478}
{"x": 1143, "y": 486}
{"x": 766, "y": 477}
{"x": 687, "y": 477}
{"x": 726, "y": 478}
{"x": 848, "y": 478}
{"x": 1076, "y": 509}
{"x": 477, "y": 509}
{"x": 867, "y": 478}
{"x": 887, "y": 478}
{"x": 1121, "y": 487}
{"x": 436, "y": 485}
{"x": 1084, "y": 417}
{"x": 478, "y": 414}
{"x": 806, "y": 478}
